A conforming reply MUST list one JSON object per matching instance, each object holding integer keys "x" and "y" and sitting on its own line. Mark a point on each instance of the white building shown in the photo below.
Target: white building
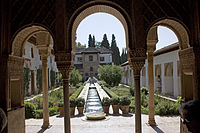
{"x": 32, "y": 60}
{"x": 87, "y": 60}
{"x": 166, "y": 72}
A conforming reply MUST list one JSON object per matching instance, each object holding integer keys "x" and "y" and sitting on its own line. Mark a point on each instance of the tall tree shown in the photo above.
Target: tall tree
{"x": 105, "y": 42}
{"x": 124, "y": 56}
{"x": 79, "y": 45}
{"x": 90, "y": 41}
{"x": 115, "y": 51}
{"x": 93, "y": 41}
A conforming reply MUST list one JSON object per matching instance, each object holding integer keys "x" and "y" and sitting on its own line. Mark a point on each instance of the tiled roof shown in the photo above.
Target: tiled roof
{"x": 101, "y": 50}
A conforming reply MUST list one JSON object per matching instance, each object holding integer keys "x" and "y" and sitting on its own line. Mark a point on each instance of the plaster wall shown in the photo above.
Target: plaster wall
{"x": 107, "y": 58}
{"x": 16, "y": 120}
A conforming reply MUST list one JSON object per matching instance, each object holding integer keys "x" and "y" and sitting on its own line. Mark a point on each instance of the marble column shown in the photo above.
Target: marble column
{"x": 151, "y": 120}
{"x": 138, "y": 126}
{"x": 67, "y": 124}
{"x": 45, "y": 92}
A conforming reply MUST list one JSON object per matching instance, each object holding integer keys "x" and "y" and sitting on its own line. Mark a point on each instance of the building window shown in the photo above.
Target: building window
{"x": 79, "y": 59}
{"x": 86, "y": 74}
{"x": 90, "y": 58}
{"x": 91, "y": 68}
{"x": 50, "y": 59}
{"x": 32, "y": 55}
{"x": 101, "y": 58}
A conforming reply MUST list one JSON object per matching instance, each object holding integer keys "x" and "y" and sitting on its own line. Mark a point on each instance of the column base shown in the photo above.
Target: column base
{"x": 152, "y": 123}
{"x": 46, "y": 125}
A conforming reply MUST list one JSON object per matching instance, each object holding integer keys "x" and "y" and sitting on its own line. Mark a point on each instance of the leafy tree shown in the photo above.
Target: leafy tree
{"x": 97, "y": 44}
{"x": 79, "y": 45}
{"x": 115, "y": 51}
{"x": 105, "y": 42}
{"x": 110, "y": 74}
{"x": 75, "y": 77}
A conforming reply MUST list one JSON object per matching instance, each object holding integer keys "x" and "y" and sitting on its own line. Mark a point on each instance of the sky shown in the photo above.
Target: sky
{"x": 100, "y": 23}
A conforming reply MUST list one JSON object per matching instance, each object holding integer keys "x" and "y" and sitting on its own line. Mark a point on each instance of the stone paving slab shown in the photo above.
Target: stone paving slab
{"x": 114, "y": 124}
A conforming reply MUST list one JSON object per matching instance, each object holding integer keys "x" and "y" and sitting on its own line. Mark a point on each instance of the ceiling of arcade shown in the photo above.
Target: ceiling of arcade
{"x": 43, "y": 12}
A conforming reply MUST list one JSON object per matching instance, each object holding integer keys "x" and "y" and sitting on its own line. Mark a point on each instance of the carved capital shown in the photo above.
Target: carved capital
{"x": 64, "y": 63}
{"x": 187, "y": 60}
{"x": 44, "y": 51}
{"x": 137, "y": 58}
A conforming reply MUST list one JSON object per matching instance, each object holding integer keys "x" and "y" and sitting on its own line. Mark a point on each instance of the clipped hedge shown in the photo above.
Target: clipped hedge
{"x": 109, "y": 92}
{"x": 76, "y": 92}
{"x": 29, "y": 110}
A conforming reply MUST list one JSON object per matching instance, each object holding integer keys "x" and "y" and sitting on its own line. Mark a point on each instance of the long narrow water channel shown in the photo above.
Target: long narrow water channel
{"x": 93, "y": 103}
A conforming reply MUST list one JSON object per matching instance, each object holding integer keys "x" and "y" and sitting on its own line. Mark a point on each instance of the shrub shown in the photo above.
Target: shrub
{"x": 114, "y": 100}
{"x": 77, "y": 92}
{"x": 72, "y": 102}
{"x": 166, "y": 107}
{"x": 39, "y": 114}
{"x": 105, "y": 101}
{"x": 124, "y": 101}
{"x": 60, "y": 104}
{"x": 144, "y": 90}
{"x": 109, "y": 92}
{"x": 75, "y": 77}
{"x": 29, "y": 110}
{"x": 53, "y": 77}
{"x": 144, "y": 100}
{"x": 80, "y": 102}
{"x": 131, "y": 89}
{"x": 53, "y": 111}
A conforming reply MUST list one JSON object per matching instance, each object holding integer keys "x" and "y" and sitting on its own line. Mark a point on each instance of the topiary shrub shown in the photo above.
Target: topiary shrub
{"x": 114, "y": 100}
{"x": 72, "y": 102}
{"x": 80, "y": 102}
{"x": 124, "y": 101}
{"x": 29, "y": 110}
{"x": 105, "y": 101}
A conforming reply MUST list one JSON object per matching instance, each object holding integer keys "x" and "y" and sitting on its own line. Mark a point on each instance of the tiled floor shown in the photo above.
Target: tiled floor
{"x": 112, "y": 124}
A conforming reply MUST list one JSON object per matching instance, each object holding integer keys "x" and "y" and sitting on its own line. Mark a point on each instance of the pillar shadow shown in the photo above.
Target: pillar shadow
{"x": 42, "y": 130}
{"x": 157, "y": 129}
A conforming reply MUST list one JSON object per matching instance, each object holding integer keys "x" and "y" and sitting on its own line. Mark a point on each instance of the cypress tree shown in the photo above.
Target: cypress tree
{"x": 105, "y": 42}
{"x": 115, "y": 51}
{"x": 93, "y": 41}
{"x": 124, "y": 56}
{"x": 90, "y": 41}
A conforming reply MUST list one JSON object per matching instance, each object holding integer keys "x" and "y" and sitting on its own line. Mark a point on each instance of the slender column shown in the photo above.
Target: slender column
{"x": 138, "y": 128}
{"x": 67, "y": 124}
{"x": 45, "y": 92}
{"x": 151, "y": 88}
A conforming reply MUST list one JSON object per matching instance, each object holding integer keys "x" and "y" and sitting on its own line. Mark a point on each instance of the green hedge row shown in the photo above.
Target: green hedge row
{"x": 77, "y": 92}
{"x": 109, "y": 92}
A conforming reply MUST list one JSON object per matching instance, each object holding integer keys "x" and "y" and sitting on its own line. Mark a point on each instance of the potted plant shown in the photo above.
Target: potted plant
{"x": 115, "y": 104}
{"x": 125, "y": 102}
{"x": 61, "y": 108}
{"x": 105, "y": 104}
{"x": 80, "y": 105}
{"x": 72, "y": 102}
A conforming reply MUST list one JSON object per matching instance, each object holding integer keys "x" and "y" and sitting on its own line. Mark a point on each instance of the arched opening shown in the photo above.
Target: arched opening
{"x": 167, "y": 67}
{"x": 28, "y": 45}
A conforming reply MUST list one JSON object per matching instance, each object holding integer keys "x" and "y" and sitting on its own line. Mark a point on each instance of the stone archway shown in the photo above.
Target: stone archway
{"x": 15, "y": 93}
{"x": 95, "y": 9}
{"x": 186, "y": 56}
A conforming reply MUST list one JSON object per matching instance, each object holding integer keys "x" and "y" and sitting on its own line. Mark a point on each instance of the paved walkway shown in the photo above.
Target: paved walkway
{"x": 113, "y": 124}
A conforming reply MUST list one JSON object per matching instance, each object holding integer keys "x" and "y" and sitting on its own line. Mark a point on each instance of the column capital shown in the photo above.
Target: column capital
{"x": 151, "y": 49}
{"x": 65, "y": 63}
{"x": 137, "y": 58}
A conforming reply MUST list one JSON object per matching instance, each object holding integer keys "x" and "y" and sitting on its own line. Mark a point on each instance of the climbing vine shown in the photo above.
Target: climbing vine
{"x": 26, "y": 79}
{"x": 53, "y": 77}
{"x": 39, "y": 80}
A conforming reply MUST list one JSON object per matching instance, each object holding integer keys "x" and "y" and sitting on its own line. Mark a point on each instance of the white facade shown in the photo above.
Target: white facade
{"x": 107, "y": 58}
{"x": 33, "y": 62}
{"x": 166, "y": 74}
